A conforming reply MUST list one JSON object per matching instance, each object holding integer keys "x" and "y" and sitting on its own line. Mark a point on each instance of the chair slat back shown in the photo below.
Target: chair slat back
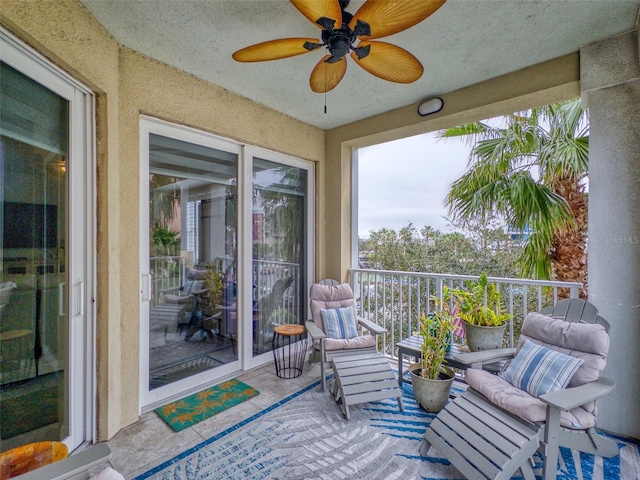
{"x": 576, "y": 310}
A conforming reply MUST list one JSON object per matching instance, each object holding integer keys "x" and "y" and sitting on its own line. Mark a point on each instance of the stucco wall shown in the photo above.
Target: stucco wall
{"x": 548, "y": 82}
{"x": 126, "y": 85}
{"x": 151, "y": 88}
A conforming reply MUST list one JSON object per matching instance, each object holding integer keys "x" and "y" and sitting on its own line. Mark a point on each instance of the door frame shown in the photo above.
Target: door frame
{"x": 245, "y": 244}
{"x": 151, "y": 399}
{"x": 148, "y": 400}
{"x": 81, "y": 232}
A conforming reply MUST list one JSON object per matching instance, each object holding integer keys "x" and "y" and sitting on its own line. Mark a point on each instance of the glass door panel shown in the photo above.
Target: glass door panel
{"x": 280, "y": 203}
{"x": 192, "y": 261}
{"x": 34, "y": 329}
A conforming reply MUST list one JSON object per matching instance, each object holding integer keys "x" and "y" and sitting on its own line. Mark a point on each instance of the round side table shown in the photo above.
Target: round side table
{"x": 289, "y": 349}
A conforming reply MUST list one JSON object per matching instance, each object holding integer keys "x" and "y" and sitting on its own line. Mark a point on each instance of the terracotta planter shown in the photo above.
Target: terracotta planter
{"x": 432, "y": 395}
{"x": 483, "y": 338}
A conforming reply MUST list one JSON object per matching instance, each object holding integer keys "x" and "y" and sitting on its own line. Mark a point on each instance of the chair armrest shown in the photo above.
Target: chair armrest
{"x": 569, "y": 398}
{"x": 374, "y": 328}
{"x": 172, "y": 289}
{"x": 314, "y": 331}
{"x": 477, "y": 359}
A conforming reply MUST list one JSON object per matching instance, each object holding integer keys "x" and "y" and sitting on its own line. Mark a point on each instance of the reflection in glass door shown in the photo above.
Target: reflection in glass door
{"x": 192, "y": 327}
{"x": 34, "y": 328}
{"x": 279, "y": 265}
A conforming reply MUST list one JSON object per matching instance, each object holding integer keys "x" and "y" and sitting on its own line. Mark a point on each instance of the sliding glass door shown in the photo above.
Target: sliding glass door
{"x": 279, "y": 234}
{"x": 190, "y": 312}
{"x": 225, "y": 249}
{"x": 45, "y": 226}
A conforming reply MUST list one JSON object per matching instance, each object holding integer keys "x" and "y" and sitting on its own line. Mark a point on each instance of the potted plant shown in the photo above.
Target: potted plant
{"x": 214, "y": 285}
{"x": 430, "y": 378}
{"x": 484, "y": 319}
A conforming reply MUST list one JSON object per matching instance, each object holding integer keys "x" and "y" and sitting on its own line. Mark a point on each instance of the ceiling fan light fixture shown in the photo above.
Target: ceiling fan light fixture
{"x": 430, "y": 106}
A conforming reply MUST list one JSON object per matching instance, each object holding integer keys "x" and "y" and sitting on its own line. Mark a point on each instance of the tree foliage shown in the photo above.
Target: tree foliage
{"x": 479, "y": 249}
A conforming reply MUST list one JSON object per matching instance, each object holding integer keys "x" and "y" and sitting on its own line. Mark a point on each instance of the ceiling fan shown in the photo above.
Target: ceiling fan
{"x": 340, "y": 30}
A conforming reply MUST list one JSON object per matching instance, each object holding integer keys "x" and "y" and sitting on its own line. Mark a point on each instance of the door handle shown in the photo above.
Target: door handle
{"x": 81, "y": 298}
{"x": 61, "y": 311}
{"x": 145, "y": 287}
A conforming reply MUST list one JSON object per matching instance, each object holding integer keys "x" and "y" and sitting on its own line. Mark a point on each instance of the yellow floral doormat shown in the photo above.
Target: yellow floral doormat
{"x": 199, "y": 406}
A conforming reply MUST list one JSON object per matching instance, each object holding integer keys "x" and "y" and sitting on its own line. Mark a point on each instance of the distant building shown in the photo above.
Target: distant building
{"x": 518, "y": 235}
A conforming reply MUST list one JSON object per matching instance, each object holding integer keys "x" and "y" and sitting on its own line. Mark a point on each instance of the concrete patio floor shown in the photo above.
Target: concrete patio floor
{"x": 150, "y": 441}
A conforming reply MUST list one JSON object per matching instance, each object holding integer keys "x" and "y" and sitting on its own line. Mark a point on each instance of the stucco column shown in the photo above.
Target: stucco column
{"x": 610, "y": 86}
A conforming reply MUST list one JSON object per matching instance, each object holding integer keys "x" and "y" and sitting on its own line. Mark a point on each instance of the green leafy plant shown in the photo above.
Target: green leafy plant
{"x": 213, "y": 282}
{"x": 435, "y": 329}
{"x": 164, "y": 241}
{"x": 471, "y": 304}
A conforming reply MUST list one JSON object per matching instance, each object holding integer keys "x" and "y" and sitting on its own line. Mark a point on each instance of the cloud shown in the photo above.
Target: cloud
{"x": 407, "y": 181}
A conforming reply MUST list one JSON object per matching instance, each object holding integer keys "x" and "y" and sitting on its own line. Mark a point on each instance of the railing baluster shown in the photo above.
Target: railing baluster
{"x": 391, "y": 299}
{"x": 384, "y": 304}
{"x": 418, "y": 305}
{"x": 539, "y": 287}
{"x": 511, "y": 339}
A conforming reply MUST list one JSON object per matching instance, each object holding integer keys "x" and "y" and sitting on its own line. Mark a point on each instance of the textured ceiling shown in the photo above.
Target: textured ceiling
{"x": 464, "y": 42}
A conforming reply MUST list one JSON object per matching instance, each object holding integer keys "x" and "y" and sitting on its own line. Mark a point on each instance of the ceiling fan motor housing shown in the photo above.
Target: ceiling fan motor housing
{"x": 339, "y": 41}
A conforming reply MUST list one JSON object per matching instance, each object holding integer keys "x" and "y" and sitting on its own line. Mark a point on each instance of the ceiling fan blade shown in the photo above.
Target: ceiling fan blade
{"x": 389, "y": 62}
{"x": 276, "y": 49}
{"x": 325, "y": 76}
{"x": 386, "y": 17}
{"x": 317, "y": 9}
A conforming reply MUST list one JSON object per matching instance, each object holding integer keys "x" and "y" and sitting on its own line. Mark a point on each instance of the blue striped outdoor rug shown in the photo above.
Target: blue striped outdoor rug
{"x": 305, "y": 436}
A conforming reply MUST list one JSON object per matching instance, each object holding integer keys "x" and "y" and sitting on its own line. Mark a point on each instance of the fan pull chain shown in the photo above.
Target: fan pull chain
{"x": 325, "y": 88}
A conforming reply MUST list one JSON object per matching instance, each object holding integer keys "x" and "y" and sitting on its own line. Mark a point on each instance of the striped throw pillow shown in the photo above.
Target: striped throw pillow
{"x": 539, "y": 370}
{"x": 339, "y": 322}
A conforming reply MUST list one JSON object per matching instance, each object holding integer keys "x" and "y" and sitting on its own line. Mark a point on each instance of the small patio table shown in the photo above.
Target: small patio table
{"x": 412, "y": 347}
{"x": 289, "y": 347}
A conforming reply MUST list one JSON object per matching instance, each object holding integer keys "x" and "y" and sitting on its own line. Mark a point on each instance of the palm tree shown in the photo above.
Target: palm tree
{"x": 529, "y": 168}
{"x": 283, "y": 202}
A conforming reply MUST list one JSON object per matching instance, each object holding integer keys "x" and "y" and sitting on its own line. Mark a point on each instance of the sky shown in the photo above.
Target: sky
{"x": 407, "y": 181}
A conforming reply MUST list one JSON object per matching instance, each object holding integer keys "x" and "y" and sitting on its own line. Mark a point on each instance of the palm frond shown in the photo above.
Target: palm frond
{"x": 535, "y": 258}
{"x": 470, "y": 132}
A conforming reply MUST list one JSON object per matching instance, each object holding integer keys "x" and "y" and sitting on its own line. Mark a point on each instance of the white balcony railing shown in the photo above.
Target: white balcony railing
{"x": 397, "y": 300}
{"x": 168, "y": 274}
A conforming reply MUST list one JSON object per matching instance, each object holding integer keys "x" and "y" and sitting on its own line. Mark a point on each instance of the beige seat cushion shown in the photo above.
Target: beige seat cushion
{"x": 520, "y": 403}
{"x": 335, "y": 296}
{"x": 329, "y": 296}
{"x": 589, "y": 342}
{"x": 362, "y": 341}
